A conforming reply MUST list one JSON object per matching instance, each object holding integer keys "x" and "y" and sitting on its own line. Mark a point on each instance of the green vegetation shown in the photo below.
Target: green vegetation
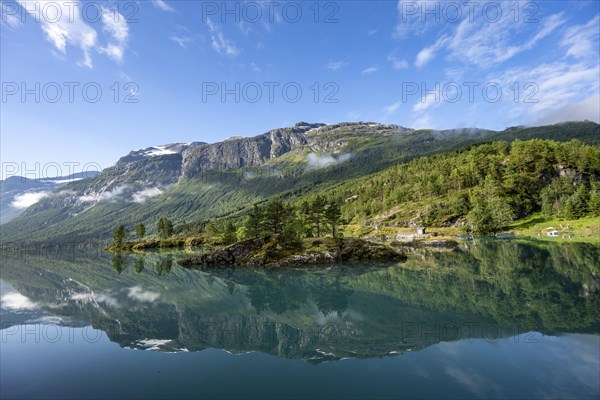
{"x": 120, "y": 235}
{"x": 164, "y": 228}
{"x": 140, "y": 230}
{"x": 480, "y": 190}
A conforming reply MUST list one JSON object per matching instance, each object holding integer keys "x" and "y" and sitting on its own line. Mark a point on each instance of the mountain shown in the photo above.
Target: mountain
{"x": 189, "y": 182}
{"x": 18, "y": 192}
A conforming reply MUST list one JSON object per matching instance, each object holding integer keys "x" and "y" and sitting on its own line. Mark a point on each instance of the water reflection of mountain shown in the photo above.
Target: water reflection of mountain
{"x": 487, "y": 291}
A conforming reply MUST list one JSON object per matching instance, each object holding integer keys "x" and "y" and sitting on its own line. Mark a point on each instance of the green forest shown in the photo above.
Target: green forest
{"x": 479, "y": 189}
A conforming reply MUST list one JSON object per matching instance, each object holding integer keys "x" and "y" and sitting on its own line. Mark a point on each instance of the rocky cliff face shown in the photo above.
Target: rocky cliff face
{"x": 244, "y": 152}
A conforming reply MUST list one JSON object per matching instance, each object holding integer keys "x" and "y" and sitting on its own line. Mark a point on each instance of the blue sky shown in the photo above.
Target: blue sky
{"x": 416, "y": 64}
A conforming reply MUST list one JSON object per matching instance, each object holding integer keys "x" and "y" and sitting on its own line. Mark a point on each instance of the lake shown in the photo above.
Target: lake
{"x": 490, "y": 319}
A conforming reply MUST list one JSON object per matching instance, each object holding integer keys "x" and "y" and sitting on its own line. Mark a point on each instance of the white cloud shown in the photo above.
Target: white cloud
{"x": 369, "y": 70}
{"x": 412, "y": 18}
{"x": 25, "y": 200}
{"x": 335, "y": 65}
{"x": 92, "y": 297}
{"x": 428, "y": 53}
{"x": 474, "y": 39}
{"x": 109, "y": 195}
{"x": 551, "y": 88}
{"x": 400, "y": 64}
{"x": 219, "y": 43}
{"x": 319, "y": 161}
{"x": 137, "y": 293}
{"x": 116, "y": 28}
{"x": 488, "y": 44}
{"x": 392, "y": 108}
{"x": 424, "y": 56}
{"x": 160, "y": 4}
{"x": 422, "y": 122}
{"x": 146, "y": 194}
{"x": 153, "y": 344}
{"x": 183, "y": 41}
{"x": 68, "y": 29}
{"x": 587, "y": 109}
{"x": 16, "y": 301}
{"x": 428, "y": 101}
{"x": 582, "y": 40}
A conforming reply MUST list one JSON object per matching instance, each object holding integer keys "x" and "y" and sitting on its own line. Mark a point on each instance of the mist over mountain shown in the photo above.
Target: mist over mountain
{"x": 18, "y": 192}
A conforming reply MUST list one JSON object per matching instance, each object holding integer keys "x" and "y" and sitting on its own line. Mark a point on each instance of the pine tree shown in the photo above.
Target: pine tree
{"x": 229, "y": 234}
{"x": 274, "y": 217}
{"x": 253, "y": 222}
{"x": 594, "y": 203}
{"x": 140, "y": 230}
{"x": 164, "y": 228}
{"x": 317, "y": 208}
{"x": 332, "y": 215}
{"x": 120, "y": 235}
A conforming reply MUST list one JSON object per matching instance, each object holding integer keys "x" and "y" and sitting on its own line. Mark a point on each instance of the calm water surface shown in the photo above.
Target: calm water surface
{"x": 490, "y": 320}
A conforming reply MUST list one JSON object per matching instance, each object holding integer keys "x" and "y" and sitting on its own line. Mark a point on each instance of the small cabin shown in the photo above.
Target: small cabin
{"x": 420, "y": 230}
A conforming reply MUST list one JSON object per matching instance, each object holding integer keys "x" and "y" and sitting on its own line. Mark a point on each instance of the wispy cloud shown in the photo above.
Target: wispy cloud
{"x": 143, "y": 195}
{"x": 429, "y": 100}
{"x": 162, "y": 5}
{"x": 67, "y": 31}
{"x": 70, "y": 29}
{"x": 182, "y": 41}
{"x": 369, "y": 70}
{"x": 108, "y": 195}
{"x": 139, "y": 294}
{"x": 582, "y": 40}
{"x": 392, "y": 108}
{"x": 319, "y": 161}
{"x": 116, "y": 28}
{"x": 25, "y": 200}
{"x": 410, "y": 20}
{"x": 422, "y": 122}
{"x": 219, "y": 43}
{"x": 428, "y": 53}
{"x": 335, "y": 65}
{"x": 16, "y": 301}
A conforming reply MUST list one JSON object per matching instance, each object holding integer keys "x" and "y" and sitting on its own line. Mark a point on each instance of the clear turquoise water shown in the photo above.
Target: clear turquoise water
{"x": 494, "y": 320}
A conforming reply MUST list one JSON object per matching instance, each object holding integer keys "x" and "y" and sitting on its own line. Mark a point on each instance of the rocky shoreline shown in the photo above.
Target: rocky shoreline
{"x": 309, "y": 252}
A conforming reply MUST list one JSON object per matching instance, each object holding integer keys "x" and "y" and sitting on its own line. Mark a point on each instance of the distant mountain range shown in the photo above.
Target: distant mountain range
{"x": 198, "y": 181}
{"x": 17, "y": 192}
